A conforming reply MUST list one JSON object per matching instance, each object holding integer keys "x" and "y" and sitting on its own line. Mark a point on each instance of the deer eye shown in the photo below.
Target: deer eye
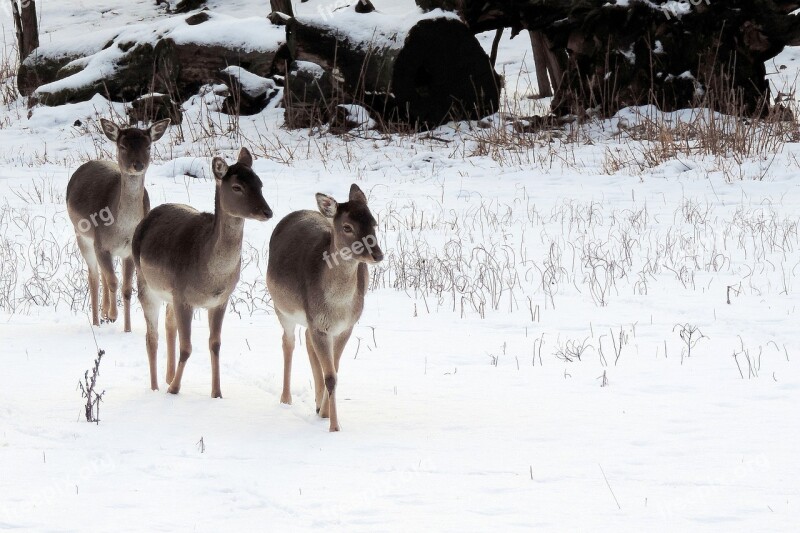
{"x": 237, "y": 188}
{"x": 348, "y": 229}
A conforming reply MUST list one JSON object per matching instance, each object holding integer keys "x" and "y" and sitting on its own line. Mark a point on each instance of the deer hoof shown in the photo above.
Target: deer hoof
{"x": 334, "y": 428}
{"x": 173, "y": 389}
{"x": 286, "y": 398}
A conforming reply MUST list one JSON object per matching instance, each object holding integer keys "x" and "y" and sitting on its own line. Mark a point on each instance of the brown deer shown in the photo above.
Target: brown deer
{"x": 190, "y": 259}
{"x": 105, "y": 202}
{"x": 317, "y": 277}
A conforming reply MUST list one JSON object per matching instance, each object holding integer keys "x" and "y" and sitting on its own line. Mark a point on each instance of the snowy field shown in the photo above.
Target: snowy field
{"x": 586, "y": 328}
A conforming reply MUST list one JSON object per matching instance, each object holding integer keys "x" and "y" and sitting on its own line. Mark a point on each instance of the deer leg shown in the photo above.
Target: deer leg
{"x": 215, "y": 316}
{"x": 316, "y": 369}
{"x": 127, "y": 289}
{"x": 183, "y": 317}
{"x": 87, "y": 251}
{"x": 323, "y": 347}
{"x": 151, "y": 307}
{"x": 172, "y": 335}
{"x": 338, "y": 347}
{"x": 110, "y": 280}
{"x": 288, "y": 349}
{"x": 106, "y": 300}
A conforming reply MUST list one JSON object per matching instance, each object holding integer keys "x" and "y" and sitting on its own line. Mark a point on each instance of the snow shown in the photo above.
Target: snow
{"x": 312, "y": 69}
{"x": 378, "y": 29}
{"x": 252, "y": 84}
{"x": 358, "y": 115}
{"x": 676, "y": 8}
{"x": 517, "y": 282}
{"x": 249, "y": 34}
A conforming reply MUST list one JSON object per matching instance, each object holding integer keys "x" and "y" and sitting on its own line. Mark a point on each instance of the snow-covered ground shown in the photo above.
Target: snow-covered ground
{"x": 571, "y": 330}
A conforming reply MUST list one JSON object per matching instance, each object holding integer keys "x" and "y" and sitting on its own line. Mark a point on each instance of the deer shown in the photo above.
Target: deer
{"x": 105, "y": 202}
{"x": 317, "y": 276}
{"x": 188, "y": 260}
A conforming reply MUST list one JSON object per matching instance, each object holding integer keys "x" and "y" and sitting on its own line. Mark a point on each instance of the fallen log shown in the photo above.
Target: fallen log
{"x": 421, "y": 69}
{"x": 633, "y": 52}
{"x": 176, "y": 57}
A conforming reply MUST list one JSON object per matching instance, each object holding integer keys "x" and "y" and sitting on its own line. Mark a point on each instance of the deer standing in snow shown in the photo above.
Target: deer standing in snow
{"x": 105, "y": 202}
{"x": 317, "y": 277}
{"x": 190, "y": 259}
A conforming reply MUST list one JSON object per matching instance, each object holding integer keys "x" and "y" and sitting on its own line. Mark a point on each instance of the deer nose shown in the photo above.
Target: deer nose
{"x": 377, "y": 255}
{"x": 268, "y": 212}
{"x": 138, "y": 166}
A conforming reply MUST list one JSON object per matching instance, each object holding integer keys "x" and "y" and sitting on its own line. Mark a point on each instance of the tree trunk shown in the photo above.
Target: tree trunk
{"x": 557, "y": 62}
{"x": 541, "y": 63}
{"x": 281, "y": 11}
{"x": 495, "y": 45}
{"x": 27, "y": 27}
{"x": 426, "y": 72}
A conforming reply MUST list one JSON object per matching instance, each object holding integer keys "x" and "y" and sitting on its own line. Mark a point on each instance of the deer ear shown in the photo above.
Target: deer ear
{"x": 158, "y": 129}
{"x": 356, "y": 194}
{"x": 327, "y": 205}
{"x": 219, "y": 167}
{"x": 245, "y": 158}
{"x": 110, "y": 129}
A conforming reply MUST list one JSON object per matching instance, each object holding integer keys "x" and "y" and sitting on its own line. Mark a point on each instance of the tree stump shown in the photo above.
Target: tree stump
{"x": 423, "y": 70}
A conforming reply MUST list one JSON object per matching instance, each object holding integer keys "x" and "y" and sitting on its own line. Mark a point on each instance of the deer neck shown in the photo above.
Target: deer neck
{"x": 131, "y": 195}
{"x": 226, "y": 239}
{"x": 338, "y": 269}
